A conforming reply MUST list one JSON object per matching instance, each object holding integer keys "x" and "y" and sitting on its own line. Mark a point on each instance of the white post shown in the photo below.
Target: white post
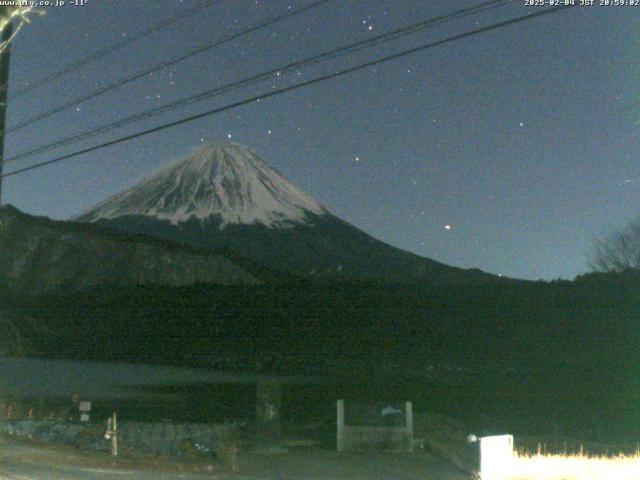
{"x": 114, "y": 437}
{"x": 340, "y": 429}
{"x": 496, "y": 457}
{"x": 408, "y": 408}
{"x": 112, "y": 434}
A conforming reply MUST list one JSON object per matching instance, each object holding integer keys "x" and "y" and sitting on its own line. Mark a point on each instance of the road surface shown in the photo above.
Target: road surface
{"x": 32, "y": 462}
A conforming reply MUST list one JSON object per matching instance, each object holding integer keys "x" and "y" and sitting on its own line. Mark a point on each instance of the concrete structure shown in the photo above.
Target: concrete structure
{"x": 375, "y": 437}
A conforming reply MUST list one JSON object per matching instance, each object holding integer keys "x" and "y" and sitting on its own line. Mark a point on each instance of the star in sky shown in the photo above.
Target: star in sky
{"x": 449, "y": 133}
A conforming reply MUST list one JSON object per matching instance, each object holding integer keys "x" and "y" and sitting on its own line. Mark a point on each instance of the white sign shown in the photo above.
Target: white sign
{"x": 496, "y": 456}
{"x": 84, "y": 417}
{"x": 84, "y": 406}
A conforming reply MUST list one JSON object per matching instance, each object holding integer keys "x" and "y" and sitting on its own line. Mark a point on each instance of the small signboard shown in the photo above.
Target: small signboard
{"x": 376, "y": 414}
{"x": 84, "y": 407}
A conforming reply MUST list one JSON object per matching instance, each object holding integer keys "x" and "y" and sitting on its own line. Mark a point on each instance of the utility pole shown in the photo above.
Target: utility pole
{"x": 112, "y": 434}
{"x": 4, "y": 85}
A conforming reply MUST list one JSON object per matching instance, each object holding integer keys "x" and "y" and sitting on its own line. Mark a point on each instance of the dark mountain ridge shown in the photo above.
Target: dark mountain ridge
{"x": 324, "y": 248}
{"x": 38, "y": 254}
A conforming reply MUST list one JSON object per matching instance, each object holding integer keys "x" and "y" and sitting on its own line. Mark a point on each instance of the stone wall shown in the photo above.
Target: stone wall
{"x": 155, "y": 438}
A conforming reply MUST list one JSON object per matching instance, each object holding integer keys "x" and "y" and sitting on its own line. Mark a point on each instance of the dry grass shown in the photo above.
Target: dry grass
{"x": 524, "y": 466}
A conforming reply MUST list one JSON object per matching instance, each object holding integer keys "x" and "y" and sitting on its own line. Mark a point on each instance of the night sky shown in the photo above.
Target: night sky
{"x": 508, "y": 151}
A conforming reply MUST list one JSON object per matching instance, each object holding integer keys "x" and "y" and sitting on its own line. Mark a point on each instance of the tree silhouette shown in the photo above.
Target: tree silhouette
{"x": 619, "y": 251}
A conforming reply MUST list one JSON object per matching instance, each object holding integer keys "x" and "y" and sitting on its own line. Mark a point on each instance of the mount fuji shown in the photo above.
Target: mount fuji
{"x": 226, "y": 197}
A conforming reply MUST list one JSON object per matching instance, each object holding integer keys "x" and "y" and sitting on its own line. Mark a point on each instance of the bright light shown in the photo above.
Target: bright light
{"x": 496, "y": 457}
{"x": 582, "y": 467}
{"x": 498, "y": 461}
{"x": 447, "y": 227}
{"x": 14, "y": 14}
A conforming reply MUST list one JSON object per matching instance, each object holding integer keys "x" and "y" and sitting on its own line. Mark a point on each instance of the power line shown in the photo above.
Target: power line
{"x": 266, "y": 95}
{"x": 142, "y": 74}
{"x": 110, "y": 49}
{"x": 334, "y": 53}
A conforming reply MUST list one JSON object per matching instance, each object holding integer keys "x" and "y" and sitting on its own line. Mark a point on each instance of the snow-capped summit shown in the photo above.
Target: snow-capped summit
{"x": 224, "y": 181}
{"x": 225, "y": 197}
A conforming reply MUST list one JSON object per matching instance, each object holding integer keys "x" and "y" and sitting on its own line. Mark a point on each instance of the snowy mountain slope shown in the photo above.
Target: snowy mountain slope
{"x": 226, "y": 197}
{"x": 225, "y": 180}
